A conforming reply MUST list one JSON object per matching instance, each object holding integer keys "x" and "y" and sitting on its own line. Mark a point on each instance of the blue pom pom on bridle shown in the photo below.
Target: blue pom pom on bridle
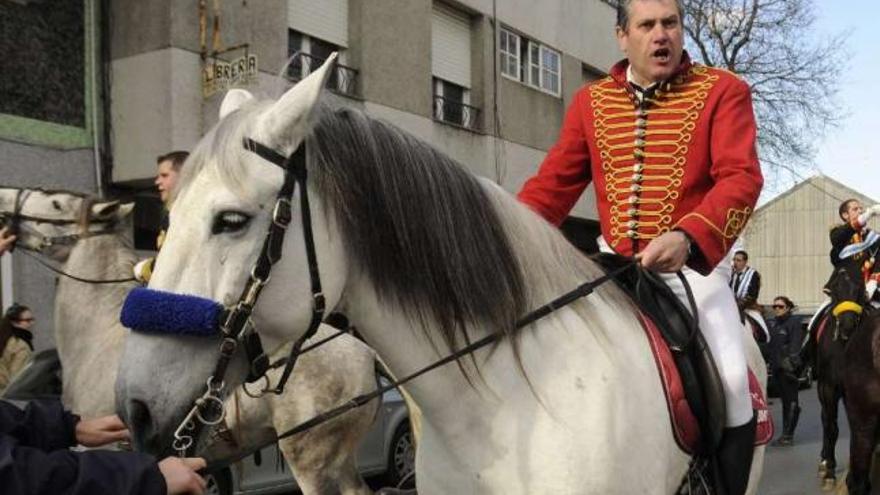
{"x": 152, "y": 311}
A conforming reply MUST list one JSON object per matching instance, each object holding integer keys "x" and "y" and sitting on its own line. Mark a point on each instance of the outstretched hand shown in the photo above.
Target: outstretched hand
{"x": 181, "y": 477}
{"x": 667, "y": 253}
{"x": 101, "y": 431}
{"x": 6, "y": 240}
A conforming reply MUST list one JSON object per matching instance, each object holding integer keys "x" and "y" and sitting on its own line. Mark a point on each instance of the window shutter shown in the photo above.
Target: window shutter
{"x": 451, "y": 45}
{"x": 325, "y": 19}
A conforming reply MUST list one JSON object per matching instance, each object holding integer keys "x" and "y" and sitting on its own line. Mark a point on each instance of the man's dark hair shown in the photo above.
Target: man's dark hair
{"x": 844, "y": 207}
{"x": 744, "y": 254}
{"x": 623, "y": 12}
{"x": 175, "y": 157}
{"x": 15, "y": 311}
{"x": 785, "y": 300}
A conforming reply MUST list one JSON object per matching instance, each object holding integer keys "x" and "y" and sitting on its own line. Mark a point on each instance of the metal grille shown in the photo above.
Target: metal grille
{"x": 457, "y": 113}
{"x": 342, "y": 80}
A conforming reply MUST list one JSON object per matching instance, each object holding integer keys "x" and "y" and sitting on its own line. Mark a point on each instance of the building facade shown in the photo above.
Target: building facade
{"x": 787, "y": 240}
{"x": 99, "y": 88}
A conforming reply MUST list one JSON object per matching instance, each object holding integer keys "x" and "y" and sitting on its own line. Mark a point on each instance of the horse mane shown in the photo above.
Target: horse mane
{"x": 451, "y": 250}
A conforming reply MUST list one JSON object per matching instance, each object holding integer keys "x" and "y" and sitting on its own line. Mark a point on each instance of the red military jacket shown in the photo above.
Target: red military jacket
{"x": 683, "y": 159}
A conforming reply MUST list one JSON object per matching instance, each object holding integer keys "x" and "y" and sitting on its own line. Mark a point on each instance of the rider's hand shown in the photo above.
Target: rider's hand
{"x": 101, "y": 431}
{"x": 181, "y": 477}
{"x": 6, "y": 240}
{"x": 667, "y": 253}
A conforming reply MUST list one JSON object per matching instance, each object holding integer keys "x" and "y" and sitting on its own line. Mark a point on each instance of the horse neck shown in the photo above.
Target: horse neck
{"x": 87, "y": 329}
{"x": 551, "y": 267}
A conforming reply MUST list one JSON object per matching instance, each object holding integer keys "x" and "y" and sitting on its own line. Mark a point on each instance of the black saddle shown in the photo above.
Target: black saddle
{"x": 699, "y": 376}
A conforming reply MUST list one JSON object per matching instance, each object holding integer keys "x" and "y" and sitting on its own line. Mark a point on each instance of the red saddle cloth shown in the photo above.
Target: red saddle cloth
{"x": 684, "y": 424}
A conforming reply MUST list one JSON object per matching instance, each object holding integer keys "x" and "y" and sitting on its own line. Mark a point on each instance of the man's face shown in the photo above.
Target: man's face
{"x": 653, "y": 40}
{"x": 739, "y": 263}
{"x": 853, "y": 210}
{"x": 166, "y": 179}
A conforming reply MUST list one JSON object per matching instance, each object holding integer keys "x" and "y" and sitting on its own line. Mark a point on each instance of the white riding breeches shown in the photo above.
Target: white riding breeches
{"x": 722, "y": 329}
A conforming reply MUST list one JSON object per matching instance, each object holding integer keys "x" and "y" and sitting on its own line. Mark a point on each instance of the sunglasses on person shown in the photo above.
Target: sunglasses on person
{"x": 25, "y": 320}
{"x": 779, "y": 306}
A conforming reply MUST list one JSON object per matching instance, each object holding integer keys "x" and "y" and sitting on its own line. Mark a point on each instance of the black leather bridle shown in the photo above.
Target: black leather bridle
{"x": 13, "y": 221}
{"x": 236, "y": 327}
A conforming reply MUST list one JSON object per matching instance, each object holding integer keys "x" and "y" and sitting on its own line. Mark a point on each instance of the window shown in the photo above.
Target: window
{"x": 451, "y": 104}
{"x": 530, "y": 62}
{"x": 509, "y": 47}
{"x": 308, "y": 53}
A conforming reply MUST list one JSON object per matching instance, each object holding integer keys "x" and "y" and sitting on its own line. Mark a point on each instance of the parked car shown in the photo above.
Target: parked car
{"x": 388, "y": 448}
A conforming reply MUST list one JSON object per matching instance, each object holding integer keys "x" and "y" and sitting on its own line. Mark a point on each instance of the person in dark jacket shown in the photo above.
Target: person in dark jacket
{"x": 785, "y": 341}
{"x": 851, "y": 241}
{"x": 35, "y": 459}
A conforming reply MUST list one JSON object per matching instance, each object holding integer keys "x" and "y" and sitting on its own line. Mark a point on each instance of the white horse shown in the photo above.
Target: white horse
{"x": 90, "y": 338}
{"x": 423, "y": 257}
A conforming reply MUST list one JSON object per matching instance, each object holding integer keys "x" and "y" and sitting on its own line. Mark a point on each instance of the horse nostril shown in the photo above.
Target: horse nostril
{"x": 140, "y": 422}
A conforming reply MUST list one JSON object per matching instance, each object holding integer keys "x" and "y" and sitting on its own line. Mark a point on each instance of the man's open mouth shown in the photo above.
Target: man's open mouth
{"x": 661, "y": 55}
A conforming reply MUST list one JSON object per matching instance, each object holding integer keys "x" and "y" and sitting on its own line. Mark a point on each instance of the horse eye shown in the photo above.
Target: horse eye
{"x": 56, "y": 204}
{"x": 229, "y": 222}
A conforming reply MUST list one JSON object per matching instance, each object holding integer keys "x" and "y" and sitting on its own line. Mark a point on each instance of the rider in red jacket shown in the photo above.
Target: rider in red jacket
{"x": 669, "y": 147}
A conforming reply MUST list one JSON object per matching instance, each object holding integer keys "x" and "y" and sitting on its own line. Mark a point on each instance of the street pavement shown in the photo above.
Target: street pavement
{"x": 792, "y": 470}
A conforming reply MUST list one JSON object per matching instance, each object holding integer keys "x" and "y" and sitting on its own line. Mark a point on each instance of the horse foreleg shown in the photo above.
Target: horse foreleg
{"x": 350, "y": 481}
{"x": 829, "y": 399}
{"x": 863, "y": 428}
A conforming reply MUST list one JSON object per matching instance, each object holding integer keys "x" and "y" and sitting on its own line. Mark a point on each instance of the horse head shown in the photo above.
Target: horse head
{"x": 49, "y": 222}
{"x": 224, "y": 207}
{"x": 849, "y": 298}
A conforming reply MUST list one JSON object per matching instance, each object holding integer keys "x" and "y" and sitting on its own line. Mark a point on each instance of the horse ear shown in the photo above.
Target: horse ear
{"x": 234, "y": 99}
{"x": 125, "y": 209}
{"x": 104, "y": 210}
{"x": 288, "y": 118}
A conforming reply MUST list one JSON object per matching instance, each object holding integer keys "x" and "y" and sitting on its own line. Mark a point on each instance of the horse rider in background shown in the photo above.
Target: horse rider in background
{"x": 168, "y": 168}
{"x": 745, "y": 282}
{"x": 853, "y": 242}
{"x": 746, "y": 286}
{"x": 669, "y": 146}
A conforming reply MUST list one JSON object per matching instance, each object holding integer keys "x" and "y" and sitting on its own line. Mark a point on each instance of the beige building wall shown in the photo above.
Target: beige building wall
{"x": 787, "y": 240}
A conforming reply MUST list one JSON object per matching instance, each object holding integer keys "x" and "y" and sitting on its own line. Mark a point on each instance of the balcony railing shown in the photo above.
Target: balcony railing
{"x": 457, "y": 113}
{"x": 342, "y": 79}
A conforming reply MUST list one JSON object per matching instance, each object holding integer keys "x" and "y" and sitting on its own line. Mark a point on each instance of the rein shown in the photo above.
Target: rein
{"x": 560, "y": 302}
{"x": 80, "y": 279}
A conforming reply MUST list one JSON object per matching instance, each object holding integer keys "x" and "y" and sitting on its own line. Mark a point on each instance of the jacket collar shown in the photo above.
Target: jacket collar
{"x": 618, "y": 70}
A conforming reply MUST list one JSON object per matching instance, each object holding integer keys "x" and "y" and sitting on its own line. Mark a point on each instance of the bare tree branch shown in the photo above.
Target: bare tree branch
{"x": 772, "y": 45}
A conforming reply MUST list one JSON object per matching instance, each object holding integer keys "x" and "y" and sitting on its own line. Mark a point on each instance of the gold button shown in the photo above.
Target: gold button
{"x": 640, "y": 143}
{"x": 632, "y": 212}
{"x": 637, "y": 177}
{"x": 641, "y": 122}
{"x": 633, "y": 224}
{"x": 639, "y": 153}
{"x": 633, "y": 200}
{"x": 638, "y": 167}
{"x": 631, "y": 234}
{"x": 640, "y": 133}
{"x": 635, "y": 188}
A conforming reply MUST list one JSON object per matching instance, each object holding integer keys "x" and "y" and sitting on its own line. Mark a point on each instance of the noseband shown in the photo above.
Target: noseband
{"x": 234, "y": 323}
{"x": 14, "y": 222}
